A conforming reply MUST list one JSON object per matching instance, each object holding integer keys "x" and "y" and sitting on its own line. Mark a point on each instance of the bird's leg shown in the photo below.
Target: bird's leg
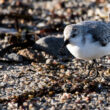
{"x": 106, "y": 73}
{"x": 106, "y": 77}
{"x": 92, "y": 68}
{"x": 86, "y": 74}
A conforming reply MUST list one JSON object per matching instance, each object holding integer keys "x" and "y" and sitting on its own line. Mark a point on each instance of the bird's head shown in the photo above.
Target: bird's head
{"x": 72, "y": 34}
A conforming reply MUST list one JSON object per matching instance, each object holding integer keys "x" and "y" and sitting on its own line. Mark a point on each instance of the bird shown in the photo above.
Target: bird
{"x": 88, "y": 40}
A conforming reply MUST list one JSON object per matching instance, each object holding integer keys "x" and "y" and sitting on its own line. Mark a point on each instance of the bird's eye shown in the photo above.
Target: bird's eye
{"x": 74, "y": 29}
{"x": 73, "y": 35}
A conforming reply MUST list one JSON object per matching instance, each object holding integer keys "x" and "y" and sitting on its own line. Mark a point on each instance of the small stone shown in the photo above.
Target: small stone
{"x": 14, "y": 57}
{"x": 1, "y": 66}
{"x": 69, "y": 10}
{"x": 62, "y": 66}
{"x": 90, "y": 12}
{"x": 62, "y": 70}
{"x": 25, "y": 104}
{"x": 108, "y": 71}
{"x": 65, "y": 96}
{"x": 100, "y": 1}
{"x": 59, "y": 5}
{"x": 34, "y": 64}
{"x": 12, "y": 106}
{"x": 41, "y": 109}
{"x": 68, "y": 73}
{"x": 11, "y": 82}
{"x": 87, "y": 99}
{"x": 52, "y": 108}
{"x": 29, "y": 54}
{"x": 48, "y": 61}
{"x": 30, "y": 96}
{"x": 2, "y": 84}
{"x": 51, "y": 93}
{"x": 39, "y": 69}
{"x": 54, "y": 62}
{"x": 5, "y": 78}
{"x": 31, "y": 107}
{"x": 78, "y": 100}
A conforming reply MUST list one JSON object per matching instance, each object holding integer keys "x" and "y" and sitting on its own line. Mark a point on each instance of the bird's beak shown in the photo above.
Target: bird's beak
{"x": 65, "y": 43}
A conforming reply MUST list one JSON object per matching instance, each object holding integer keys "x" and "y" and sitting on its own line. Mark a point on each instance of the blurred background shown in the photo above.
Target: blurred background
{"x": 44, "y": 17}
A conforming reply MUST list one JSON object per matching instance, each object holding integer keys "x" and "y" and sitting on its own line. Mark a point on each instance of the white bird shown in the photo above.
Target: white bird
{"x": 88, "y": 40}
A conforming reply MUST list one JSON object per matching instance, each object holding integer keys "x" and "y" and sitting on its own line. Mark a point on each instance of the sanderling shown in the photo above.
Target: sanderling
{"x": 88, "y": 40}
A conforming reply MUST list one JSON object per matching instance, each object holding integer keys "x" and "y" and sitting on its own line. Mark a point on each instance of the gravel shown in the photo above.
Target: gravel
{"x": 51, "y": 81}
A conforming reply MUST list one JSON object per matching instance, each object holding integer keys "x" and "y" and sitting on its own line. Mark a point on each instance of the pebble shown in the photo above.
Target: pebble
{"x": 41, "y": 109}
{"x": 52, "y": 108}
{"x": 29, "y": 54}
{"x": 1, "y": 66}
{"x": 3, "y": 84}
{"x": 14, "y": 57}
{"x": 5, "y": 78}
{"x": 68, "y": 73}
{"x": 25, "y": 104}
{"x": 31, "y": 107}
{"x": 49, "y": 61}
{"x": 65, "y": 96}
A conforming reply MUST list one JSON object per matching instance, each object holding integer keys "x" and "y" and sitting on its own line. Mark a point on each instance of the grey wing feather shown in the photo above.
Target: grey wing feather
{"x": 100, "y": 31}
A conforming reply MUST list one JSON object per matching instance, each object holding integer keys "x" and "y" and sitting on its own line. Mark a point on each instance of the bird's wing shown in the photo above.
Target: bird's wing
{"x": 100, "y": 31}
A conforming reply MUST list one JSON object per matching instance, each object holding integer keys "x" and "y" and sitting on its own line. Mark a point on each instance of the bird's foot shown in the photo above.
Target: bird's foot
{"x": 91, "y": 75}
{"x": 106, "y": 75}
{"x": 91, "y": 71}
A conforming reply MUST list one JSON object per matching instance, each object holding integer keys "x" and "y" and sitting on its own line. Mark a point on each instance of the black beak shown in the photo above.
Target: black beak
{"x": 65, "y": 43}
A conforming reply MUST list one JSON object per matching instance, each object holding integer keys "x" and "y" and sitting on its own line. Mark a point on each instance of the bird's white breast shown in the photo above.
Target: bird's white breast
{"x": 89, "y": 50}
